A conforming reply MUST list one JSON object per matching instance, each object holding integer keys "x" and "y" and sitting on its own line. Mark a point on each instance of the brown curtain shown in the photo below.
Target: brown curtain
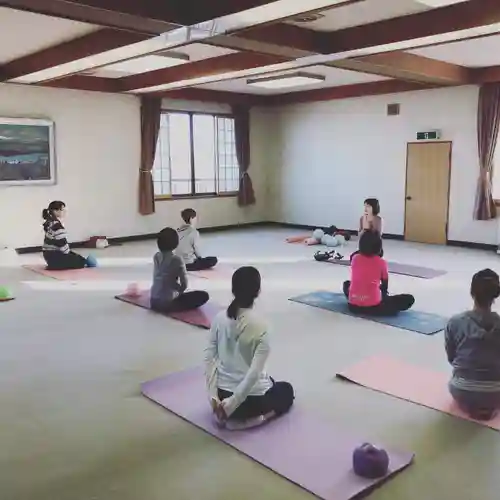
{"x": 488, "y": 122}
{"x": 150, "y": 128}
{"x": 246, "y": 194}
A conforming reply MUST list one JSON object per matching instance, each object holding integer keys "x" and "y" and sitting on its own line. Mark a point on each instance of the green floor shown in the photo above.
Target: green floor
{"x": 73, "y": 425}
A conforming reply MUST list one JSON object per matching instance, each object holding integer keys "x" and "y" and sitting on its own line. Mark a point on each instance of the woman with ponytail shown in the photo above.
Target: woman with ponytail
{"x": 242, "y": 394}
{"x": 56, "y": 251}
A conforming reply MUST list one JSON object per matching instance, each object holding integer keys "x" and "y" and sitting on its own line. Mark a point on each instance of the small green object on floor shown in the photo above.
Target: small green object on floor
{"x": 5, "y": 294}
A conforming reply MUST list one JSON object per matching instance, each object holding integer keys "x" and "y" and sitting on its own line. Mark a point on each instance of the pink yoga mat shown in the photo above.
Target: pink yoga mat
{"x": 311, "y": 453}
{"x": 201, "y": 317}
{"x": 66, "y": 275}
{"x": 411, "y": 383}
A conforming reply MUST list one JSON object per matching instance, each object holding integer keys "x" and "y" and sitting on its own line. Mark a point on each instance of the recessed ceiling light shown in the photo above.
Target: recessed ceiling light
{"x": 308, "y": 18}
{"x": 285, "y": 81}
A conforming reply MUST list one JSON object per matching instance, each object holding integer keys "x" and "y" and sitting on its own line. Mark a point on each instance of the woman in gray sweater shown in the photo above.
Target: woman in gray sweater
{"x": 168, "y": 293}
{"x": 473, "y": 348}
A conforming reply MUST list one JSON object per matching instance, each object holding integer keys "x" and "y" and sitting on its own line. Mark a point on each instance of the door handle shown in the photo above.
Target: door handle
{"x": 408, "y": 198}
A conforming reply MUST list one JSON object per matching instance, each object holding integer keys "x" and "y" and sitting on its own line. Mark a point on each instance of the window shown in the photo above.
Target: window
{"x": 195, "y": 155}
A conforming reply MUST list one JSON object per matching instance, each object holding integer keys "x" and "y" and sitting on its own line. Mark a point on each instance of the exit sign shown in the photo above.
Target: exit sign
{"x": 432, "y": 135}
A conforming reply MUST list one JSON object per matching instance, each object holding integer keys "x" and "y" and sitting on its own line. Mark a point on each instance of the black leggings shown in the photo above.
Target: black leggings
{"x": 184, "y": 302}
{"x": 202, "y": 263}
{"x": 390, "y": 305}
{"x": 58, "y": 261}
{"x": 278, "y": 399}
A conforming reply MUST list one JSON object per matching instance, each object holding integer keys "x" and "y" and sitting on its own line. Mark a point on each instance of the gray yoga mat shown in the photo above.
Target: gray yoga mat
{"x": 415, "y": 321}
{"x": 313, "y": 454}
{"x": 404, "y": 269}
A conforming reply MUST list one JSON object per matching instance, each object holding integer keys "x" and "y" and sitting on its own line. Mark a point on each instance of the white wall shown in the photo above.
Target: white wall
{"x": 331, "y": 155}
{"x": 97, "y": 153}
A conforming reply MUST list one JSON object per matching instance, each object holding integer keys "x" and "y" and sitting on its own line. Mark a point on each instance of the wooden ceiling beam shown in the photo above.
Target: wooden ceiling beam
{"x": 206, "y": 67}
{"x": 347, "y": 92}
{"x": 407, "y": 66}
{"x": 85, "y": 46}
{"x": 454, "y": 18}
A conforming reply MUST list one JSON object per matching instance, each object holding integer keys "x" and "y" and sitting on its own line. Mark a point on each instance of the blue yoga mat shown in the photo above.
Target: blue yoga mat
{"x": 415, "y": 321}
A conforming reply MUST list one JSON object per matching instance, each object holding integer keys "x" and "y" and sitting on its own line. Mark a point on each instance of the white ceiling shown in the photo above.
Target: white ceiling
{"x": 195, "y": 52}
{"x": 334, "y": 77}
{"x": 478, "y": 52}
{"x": 24, "y": 33}
{"x": 368, "y": 11}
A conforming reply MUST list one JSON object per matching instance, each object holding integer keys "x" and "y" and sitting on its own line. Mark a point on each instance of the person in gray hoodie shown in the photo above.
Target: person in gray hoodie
{"x": 188, "y": 248}
{"x": 472, "y": 341}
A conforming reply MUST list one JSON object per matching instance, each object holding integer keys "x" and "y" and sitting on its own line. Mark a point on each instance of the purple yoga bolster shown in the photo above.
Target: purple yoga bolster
{"x": 202, "y": 316}
{"x": 311, "y": 453}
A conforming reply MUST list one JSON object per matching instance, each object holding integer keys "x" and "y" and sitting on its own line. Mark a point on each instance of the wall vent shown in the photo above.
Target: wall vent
{"x": 393, "y": 109}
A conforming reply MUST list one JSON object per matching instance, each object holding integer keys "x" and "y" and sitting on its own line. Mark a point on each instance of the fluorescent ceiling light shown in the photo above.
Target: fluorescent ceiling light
{"x": 178, "y": 37}
{"x": 440, "y": 3}
{"x": 286, "y": 81}
{"x": 320, "y": 59}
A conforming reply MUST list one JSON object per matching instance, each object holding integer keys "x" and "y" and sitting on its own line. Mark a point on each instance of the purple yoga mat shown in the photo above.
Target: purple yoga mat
{"x": 313, "y": 454}
{"x": 201, "y": 317}
{"x": 404, "y": 269}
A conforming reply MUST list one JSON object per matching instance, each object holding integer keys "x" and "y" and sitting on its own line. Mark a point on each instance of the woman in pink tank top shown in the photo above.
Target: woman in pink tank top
{"x": 367, "y": 292}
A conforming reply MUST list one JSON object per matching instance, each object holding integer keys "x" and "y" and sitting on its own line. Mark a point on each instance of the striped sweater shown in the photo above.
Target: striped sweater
{"x": 55, "y": 237}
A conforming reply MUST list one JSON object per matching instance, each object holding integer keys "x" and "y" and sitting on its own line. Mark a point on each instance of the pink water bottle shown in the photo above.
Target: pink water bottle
{"x": 133, "y": 290}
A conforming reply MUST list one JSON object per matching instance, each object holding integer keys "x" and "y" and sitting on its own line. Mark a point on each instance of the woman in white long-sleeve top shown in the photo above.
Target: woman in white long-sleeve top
{"x": 236, "y": 356}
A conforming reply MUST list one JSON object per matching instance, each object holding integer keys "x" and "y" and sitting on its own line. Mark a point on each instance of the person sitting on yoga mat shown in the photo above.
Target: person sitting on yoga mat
{"x": 188, "y": 248}
{"x": 472, "y": 341}
{"x": 371, "y": 220}
{"x": 55, "y": 249}
{"x": 168, "y": 293}
{"x": 367, "y": 292}
{"x": 240, "y": 389}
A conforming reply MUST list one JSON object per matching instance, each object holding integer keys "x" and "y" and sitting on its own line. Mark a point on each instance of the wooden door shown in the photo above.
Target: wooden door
{"x": 428, "y": 167}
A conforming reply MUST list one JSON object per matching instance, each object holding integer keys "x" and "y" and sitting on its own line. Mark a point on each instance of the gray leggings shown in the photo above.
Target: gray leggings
{"x": 478, "y": 405}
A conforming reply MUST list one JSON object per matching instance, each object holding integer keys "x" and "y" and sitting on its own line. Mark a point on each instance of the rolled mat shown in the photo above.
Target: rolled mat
{"x": 409, "y": 382}
{"x": 201, "y": 317}
{"x": 313, "y": 454}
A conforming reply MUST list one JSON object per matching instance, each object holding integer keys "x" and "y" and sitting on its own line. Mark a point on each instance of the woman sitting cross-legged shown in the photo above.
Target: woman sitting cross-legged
{"x": 367, "y": 292}
{"x": 242, "y": 394}
{"x": 473, "y": 349}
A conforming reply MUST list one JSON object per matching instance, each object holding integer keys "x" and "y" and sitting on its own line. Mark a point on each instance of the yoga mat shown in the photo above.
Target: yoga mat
{"x": 311, "y": 453}
{"x": 411, "y": 383}
{"x": 201, "y": 317}
{"x": 414, "y": 321}
{"x": 404, "y": 269}
{"x": 213, "y": 273}
{"x": 88, "y": 273}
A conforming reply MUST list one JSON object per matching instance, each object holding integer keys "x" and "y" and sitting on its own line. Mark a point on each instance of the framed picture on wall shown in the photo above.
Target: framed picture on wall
{"x": 27, "y": 153}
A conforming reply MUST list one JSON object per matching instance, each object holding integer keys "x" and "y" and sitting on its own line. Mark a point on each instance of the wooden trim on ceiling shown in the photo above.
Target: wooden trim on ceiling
{"x": 347, "y": 92}
{"x": 83, "y": 82}
{"x": 488, "y": 74}
{"x": 205, "y": 67}
{"x": 407, "y": 66}
{"x": 207, "y": 95}
{"x": 85, "y": 46}
{"x": 454, "y": 18}
{"x": 152, "y": 17}
{"x": 77, "y": 11}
